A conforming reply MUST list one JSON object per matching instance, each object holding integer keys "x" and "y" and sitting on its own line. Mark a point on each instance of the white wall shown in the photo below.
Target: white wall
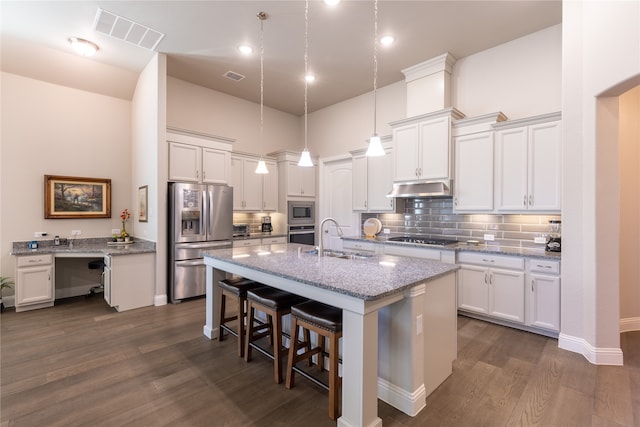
{"x": 199, "y": 109}
{"x": 54, "y": 130}
{"x": 149, "y": 157}
{"x": 630, "y": 209}
{"x": 595, "y": 63}
{"x": 521, "y": 78}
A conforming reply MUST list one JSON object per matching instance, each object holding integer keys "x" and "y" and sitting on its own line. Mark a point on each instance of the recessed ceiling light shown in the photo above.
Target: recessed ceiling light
{"x": 387, "y": 40}
{"x": 310, "y": 78}
{"x": 331, "y": 2}
{"x": 245, "y": 49}
{"x": 83, "y": 47}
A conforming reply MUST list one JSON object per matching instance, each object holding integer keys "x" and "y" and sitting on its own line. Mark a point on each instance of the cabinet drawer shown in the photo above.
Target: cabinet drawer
{"x": 246, "y": 242}
{"x": 544, "y": 266}
{"x": 273, "y": 240}
{"x": 361, "y": 246}
{"x": 490, "y": 260}
{"x": 31, "y": 260}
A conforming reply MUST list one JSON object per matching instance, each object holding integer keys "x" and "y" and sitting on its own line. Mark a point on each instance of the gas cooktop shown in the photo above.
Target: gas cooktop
{"x": 422, "y": 240}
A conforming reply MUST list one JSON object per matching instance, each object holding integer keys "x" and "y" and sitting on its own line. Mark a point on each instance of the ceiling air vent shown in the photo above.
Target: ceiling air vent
{"x": 231, "y": 75}
{"x": 125, "y": 29}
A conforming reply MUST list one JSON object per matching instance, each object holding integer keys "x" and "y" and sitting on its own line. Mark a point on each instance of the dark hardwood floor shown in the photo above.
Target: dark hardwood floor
{"x": 81, "y": 363}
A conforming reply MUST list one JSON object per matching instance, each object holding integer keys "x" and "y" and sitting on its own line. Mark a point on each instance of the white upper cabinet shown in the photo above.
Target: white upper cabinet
{"x": 528, "y": 165}
{"x": 473, "y": 184}
{"x": 251, "y": 191}
{"x": 474, "y": 163}
{"x": 372, "y": 181}
{"x": 198, "y": 158}
{"x": 423, "y": 146}
{"x": 301, "y": 181}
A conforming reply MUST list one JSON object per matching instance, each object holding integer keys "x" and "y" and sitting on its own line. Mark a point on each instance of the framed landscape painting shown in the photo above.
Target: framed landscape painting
{"x": 76, "y": 197}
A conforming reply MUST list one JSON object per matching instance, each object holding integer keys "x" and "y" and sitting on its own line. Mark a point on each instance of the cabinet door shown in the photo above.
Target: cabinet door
{"x": 474, "y": 173}
{"x": 406, "y": 157}
{"x": 252, "y": 186}
{"x": 506, "y": 291}
{"x": 511, "y": 170}
{"x": 359, "y": 183}
{"x": 300, "y": 181}
{"x": 473, "y": 292}
{"x": 184, "y": 162}
{"x": 215, "y": 166}
{"x": 270, "y": 188}
{"x": 435, "y": 158}
{"x": 380, "y": 182}
{"x": 132, "y": 281}
{"x": 544, "y": 301}
{"x": 544, "y": 167}
{"x": 236, "y": 180}
{"x": 34, "y": 285}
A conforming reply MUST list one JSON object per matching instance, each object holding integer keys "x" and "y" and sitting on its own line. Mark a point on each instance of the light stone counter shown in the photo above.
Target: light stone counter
{"x": 399, "y": 318}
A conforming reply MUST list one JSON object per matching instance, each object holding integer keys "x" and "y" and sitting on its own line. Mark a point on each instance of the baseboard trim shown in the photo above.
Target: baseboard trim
{"x": 630, "y": 324}
{"x": 159, "y": 300}
{"x": 597, "y": 356}
{"x": 407, "y": 402}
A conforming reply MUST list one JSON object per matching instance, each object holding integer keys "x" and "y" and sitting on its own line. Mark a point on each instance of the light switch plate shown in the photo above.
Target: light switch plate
{"x": 40, "y": 234}
{"x": 115, "y": 231}
{"x": 539, "y": 240}
{"x": 489, "y": 237}
{"x": 386, "y": 231}
{"x": 76, "y": 232}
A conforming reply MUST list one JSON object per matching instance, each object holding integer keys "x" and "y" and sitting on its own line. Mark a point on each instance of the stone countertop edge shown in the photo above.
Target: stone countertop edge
{"x": 464, "y": 247}
{"x": 364, "y": 279}
{"x": 92, "y": 245}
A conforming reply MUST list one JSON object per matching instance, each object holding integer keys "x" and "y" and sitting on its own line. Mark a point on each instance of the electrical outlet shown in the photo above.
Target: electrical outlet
{"x": 419, "y": 324}
{"x": 386, "y": 231}
{"x": 115, "y": 231}
{"x": 40, "y": 234}
{"x": 489, "y": 237}
{"x": 539, "y": 240}
{"x": 76, "y": 232}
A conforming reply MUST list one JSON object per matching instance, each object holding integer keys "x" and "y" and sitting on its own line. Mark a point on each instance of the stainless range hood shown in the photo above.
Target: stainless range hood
{"x": 421, "y": 189}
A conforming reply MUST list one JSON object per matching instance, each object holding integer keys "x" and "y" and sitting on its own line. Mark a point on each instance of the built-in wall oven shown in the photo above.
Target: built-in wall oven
{"x": 301, "y": 220}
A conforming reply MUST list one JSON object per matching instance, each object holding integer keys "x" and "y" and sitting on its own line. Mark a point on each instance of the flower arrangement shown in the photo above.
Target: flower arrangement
{"x": 124, "y": 216}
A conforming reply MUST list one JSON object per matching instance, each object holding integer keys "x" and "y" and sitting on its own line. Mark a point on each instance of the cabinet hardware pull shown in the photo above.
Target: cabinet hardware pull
{"x": 485, "y": 278}
{"x": 530, "y": 200}
{"x": 365, "y": 204}
{"x": 491, "y": 278}
{"x": 488, "y": 260}
{"x": 524, "y": 200}
{"x": 391, "y": 202}
{"x": 197, "y": 174}
{"x": 532, "y": 282}
{"x": 543, "y": 266}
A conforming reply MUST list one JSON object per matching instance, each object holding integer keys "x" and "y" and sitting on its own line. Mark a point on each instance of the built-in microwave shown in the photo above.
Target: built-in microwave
{"x": 301, "y": 212}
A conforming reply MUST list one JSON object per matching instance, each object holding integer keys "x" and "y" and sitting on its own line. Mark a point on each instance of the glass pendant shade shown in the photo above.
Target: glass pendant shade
{"x": 262, "y": 167}
{"x": 305, "y": 159}
{"x": 375, "y": 147}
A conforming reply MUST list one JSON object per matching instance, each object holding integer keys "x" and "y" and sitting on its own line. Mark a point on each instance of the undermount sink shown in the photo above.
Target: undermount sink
{"x": 341, "y": 254}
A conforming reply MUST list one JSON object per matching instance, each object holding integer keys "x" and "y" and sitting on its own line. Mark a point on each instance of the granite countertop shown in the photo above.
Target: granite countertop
{"x": 464, "y": 247}
{"x": 371, "y": 278}
{"x": 98, "y": 246}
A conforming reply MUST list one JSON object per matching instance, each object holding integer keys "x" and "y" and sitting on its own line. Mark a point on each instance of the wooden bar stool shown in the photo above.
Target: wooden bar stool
{"x": 326, "y": 321}
{"x": 276, "y": 304}
{"x": 237, "y": 288}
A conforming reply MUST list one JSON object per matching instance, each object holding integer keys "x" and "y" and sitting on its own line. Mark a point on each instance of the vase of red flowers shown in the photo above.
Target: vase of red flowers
{"x": 124, "y": 216}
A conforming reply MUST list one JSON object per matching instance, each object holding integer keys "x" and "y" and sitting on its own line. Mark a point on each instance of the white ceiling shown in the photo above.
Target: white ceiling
{"x": 202, "y": 36}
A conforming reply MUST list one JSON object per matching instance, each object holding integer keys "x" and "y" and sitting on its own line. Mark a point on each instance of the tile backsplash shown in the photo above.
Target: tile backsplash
{"x": 435, "y": 217}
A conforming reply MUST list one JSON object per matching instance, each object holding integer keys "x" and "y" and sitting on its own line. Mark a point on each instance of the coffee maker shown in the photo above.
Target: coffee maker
{"x": 554, "y": 242}
{"x": 266, "y": 224}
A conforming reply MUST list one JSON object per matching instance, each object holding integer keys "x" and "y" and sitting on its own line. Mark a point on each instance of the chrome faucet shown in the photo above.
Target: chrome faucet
{"x": 321, "y": 245}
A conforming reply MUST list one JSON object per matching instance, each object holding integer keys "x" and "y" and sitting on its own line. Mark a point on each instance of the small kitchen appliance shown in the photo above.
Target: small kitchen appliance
{"x": 554, "y": 243}
{"x": 266, "y": 224}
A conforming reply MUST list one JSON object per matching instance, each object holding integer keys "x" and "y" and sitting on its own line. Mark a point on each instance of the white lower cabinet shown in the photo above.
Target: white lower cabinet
{"x": 492, "y": 285}
{"x": 34, "y": 284}
{"x": 129, "y": 281}
{"x": 259, "y": 241}
{"x": 543, "y": 294}
{"x": 359, "y": 246}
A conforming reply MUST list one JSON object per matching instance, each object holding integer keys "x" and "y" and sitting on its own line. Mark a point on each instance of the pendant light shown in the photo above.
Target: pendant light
{"x": 262, "y": 166}
{"x": 305, "y": 156}
{"x": 375, "y": 146}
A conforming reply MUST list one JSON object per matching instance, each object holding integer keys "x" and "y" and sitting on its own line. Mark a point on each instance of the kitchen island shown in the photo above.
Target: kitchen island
{"x": 399, "y": 318}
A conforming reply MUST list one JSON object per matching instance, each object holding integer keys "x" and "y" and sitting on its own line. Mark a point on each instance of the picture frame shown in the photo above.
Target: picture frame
{"x": 76, "y": 197}
{"x": 143, "y": 200}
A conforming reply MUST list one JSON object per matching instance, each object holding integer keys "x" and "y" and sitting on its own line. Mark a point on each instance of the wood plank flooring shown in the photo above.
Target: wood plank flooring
{"x": 81, "y": 363}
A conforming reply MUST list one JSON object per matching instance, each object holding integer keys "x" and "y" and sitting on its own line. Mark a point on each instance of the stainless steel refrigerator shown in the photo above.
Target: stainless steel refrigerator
{"x": 200, "y": 218}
